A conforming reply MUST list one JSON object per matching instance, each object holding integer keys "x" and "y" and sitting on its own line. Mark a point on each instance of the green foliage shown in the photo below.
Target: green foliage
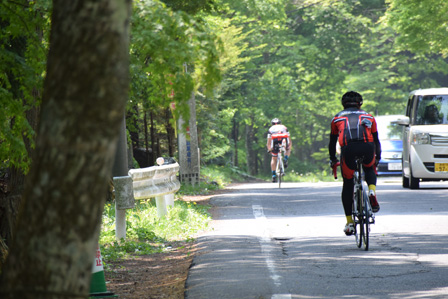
{"x": 246, "y": 62}
{"x": 298, "y": 63}
{"x": 223, "y": 175}
{"x": 422, "y": 24}
{"x": 213, "y": 177}
{"x": 146, "y": 233}
{"x": 23, "y": 41}
{"x": 215, "y": 139}
{"x": 190, "y": 6}
{"x": 171, "y": 52}
{"x": 13, "y": 125}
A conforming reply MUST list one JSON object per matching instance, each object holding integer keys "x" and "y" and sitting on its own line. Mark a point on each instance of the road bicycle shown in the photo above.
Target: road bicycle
{"x": 362, "y": 210}
{"x": 362, "y": 213}
{"x": 280, "y": 167}
{"x": 281, "y": 146}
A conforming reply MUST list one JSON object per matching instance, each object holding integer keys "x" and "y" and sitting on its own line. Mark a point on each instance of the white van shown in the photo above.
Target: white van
{"x": 425, "y": 137}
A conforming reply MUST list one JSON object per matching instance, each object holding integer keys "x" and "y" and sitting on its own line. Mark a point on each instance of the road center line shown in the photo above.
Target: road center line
{"x": 266, "y": 247}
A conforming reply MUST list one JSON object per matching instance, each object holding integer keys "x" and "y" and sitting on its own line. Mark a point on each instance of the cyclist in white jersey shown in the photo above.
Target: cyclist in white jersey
{"x": 276, "y": 133}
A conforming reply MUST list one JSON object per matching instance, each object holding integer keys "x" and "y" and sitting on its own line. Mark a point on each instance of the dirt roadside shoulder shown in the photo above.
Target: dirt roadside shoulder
{"x": 159, "y": 275}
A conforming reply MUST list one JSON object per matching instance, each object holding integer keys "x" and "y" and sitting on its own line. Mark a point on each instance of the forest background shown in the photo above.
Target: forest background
{"x": 247, "y": 62}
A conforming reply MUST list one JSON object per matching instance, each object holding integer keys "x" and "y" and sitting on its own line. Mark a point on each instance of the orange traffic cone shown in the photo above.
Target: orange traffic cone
{"x": 98, "y": 283}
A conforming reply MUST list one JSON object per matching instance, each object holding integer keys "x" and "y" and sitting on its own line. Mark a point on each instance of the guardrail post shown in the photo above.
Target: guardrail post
{"x": 169, "y": 199}
{"x": 161, "y": 206}
{"x": 124, "y": 199}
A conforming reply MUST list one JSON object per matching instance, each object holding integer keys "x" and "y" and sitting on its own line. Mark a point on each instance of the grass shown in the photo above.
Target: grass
{"x": 146, "y": 233}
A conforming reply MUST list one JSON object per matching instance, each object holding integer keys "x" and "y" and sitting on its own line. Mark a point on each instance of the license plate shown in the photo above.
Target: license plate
{"x": 394, "y": 166}
{"x": 441, "y": 167}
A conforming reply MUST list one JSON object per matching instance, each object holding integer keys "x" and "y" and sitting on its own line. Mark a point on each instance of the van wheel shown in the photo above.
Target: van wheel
{"x": 405, "y": 181}
{"x": 414, "y": 183}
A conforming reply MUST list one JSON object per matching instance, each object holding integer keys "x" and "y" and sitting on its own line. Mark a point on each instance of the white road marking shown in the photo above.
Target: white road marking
{"x": 266, "y": 247}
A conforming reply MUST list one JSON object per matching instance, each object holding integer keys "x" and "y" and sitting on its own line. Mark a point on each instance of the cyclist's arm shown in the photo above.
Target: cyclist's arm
{"x": 376, "y": 140}
{"x": 332, "y": 146}
{"x": 288, "y": 144}
{"x": 269, "y": 142}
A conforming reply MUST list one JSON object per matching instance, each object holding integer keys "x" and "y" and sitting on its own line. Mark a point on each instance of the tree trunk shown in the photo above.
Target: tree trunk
{"x": 85, "y": 93}
{"x": 154, "y": 153}
{"x": 158, "y": 149}
{"x": 235, "y": 142}
{"x": 145, "y": 123}
{"x": 132, "y": 117}
{"x": 170, "y": 133}
{"x": 3, "y": 252}
{"x": 251, "y": 158}
{"x": 10, "y": 204}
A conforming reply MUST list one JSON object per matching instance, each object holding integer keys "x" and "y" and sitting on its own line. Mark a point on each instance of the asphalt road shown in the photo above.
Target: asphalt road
{"x": 267, "y": 242}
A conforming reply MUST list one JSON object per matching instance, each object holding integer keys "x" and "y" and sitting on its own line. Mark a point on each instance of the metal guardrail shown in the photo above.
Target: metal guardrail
{"x": 155, "y": 181}
{"x": 159, "y": 182}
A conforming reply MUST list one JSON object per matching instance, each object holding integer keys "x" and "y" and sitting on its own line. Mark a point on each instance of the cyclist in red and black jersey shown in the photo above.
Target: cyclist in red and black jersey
{"x": 357, "y": 134}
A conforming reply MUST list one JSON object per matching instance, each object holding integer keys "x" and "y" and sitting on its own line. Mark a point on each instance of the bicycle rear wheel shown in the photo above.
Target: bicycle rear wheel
{"x": 277, "y": 170}
{"x": 280, "y": 173}
{"x": 359, "y": 223}
{"x": 365, "y": 238}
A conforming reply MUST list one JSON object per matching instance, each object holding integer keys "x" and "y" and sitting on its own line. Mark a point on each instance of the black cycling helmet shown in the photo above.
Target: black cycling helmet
{"x": 351, "y": 99}
{"x": 276, "y": 121}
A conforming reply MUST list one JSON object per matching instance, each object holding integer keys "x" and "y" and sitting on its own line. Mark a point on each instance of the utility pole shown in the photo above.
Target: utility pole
{"x": 120, "y": 169}
{"x": 188, "y": 147}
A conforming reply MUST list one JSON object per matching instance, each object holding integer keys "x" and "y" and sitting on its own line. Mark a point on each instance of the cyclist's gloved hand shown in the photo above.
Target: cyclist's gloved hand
{"x": 377, "y": 160}
{"x": 333, "y": 162}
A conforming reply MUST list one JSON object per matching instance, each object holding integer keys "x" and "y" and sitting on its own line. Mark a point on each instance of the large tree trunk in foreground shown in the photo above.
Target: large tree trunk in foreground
{"x": 83, "y": 106}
